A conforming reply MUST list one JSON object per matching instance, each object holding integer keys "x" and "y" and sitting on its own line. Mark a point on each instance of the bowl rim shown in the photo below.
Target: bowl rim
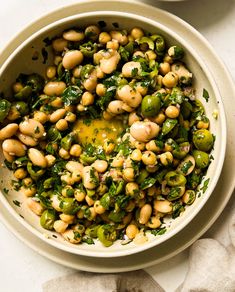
{"x": 195, "y": 211}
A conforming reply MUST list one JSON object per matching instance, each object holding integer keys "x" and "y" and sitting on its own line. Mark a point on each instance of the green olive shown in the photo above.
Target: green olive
{"x": 142, "y": 176}
{"x": 36, "y": 82}
{"x": 202, "y": 158}
{"x": 203, "y": 140}
{"x": 105, "y": 201}
{"x": 47, "y": 219}
{"x": 186, "y": 109}
{"x": 176, "y": 193}
{"x": 159, "y": 43}
{"x": 69, "y": 206}
{"x": 150, "y": 105}
{"x": 87, "y": 160}
{"x": 168, "y": 125}
{"x": 88, "y": 49}
{"x": 53, "y": 134}
{"x": 4, "y": 109}
{"x": 21, "y": 107}
{"x": 67, "y": 141}
{"x": 174, "y": 179}
{"x": 116, "y": 216}
{"x": 181, "y": 150}
{"x": 24, "y": 93}
{"x": 107, "y": 234}
{"x": 146, "y": 41}
{"x": 35, "y": 172}
{"x": 91, "y": 231}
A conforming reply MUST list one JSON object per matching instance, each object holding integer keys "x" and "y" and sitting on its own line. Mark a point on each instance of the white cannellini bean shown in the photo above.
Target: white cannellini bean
{"x": 116, "y": 107}
{"x": 27, "y": 140}
{"x": 54, "y": 88}
{"x": 14, "y": 147}
{"x": 88, "y": 180}
{"x": 129, "y": 69}
{"x": 57, "y": 115}
{"x": 37, "y": 157}
{"x": 73, "y": 166}
{"x": 145, "y": 213}
{"x": 109, "y": 64}
{"x": 144, "y": 131}
{"x": 164, "y": 206}
{"x": 8, "y": 131}
{"x": 72, "y": 58}
{"x": 34, "y": 206}
{"x": 33, "y": 128}
{"x": 129, "y": 95}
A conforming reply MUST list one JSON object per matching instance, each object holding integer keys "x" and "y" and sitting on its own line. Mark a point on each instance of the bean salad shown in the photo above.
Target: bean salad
{"x": 111, "y": 141}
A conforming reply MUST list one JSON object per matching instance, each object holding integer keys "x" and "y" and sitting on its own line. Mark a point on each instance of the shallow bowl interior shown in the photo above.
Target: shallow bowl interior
{"x": 21, "y": 62}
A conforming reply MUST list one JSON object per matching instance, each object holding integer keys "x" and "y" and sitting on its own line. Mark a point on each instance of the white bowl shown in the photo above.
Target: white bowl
{"x": 21, "y": 61}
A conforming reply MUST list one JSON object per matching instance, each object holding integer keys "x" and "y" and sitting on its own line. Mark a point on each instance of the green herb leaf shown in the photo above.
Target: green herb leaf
{"x": 147, "y": 183}
{"x": 71, "y": 95}
{"x": 205, "y": 94}
{"x": 159, "y": 231}
{"x": 205, "y": 185}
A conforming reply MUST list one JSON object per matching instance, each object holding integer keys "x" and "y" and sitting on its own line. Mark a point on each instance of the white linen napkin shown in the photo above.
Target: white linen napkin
{"x": 211, "y": 267}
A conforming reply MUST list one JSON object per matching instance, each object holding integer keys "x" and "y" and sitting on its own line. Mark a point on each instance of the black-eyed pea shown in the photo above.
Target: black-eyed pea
{"x": 99, "y": 209}
{"x": 136, "y": 155}
{"x": 75, "y": 150}
{"x": 132, "y": 189}
{"x": 67, "y": 178}
{"x": 57, "y": 115}
{"x": 166, "y": 158}
{"x": 51, "y": 72}
{"x": 87, "y": 98}
{"x": 17, "y": 87}
{"x": 137, "y": 33}
{"x": 129, "y": 174}
{"x": 132, "y": 118}
{"x": 164, "y": 206}
{"x": 159, "y": 119}
{"x": 151, "y": 168}
{"x": 8, "y": 131}
{"x": 203, "y": 125}
{"x": 80, "y": 108}
{"x": 99, "y": 73}
{"x": 141, "y": 89}
{"x": 54, "y": 88}
{"x": 69, "y": 219}
{"x": 127, "y": 69}
{"x": 79, "y": 195}
{"x": 37, "y": 157}
{"x": 73, "y": 35}
{"x": 29, "y": 191}
{"x": 41, "y": 117}
{"x": 145, "y": 213}
{"x": 100, "y": 165}
{"x": 62, "y": 125}
{"x": 130, "y": 206}
{"x": 14, "y": 147}
{"x": 127, "y": 108}
{"x": 92, "y": 32}
{"x": 20, "y": 173}
{"x": 154, "y": 222}
{"x": 71, "y": 59}
{"x": 139, "y": 145}
{"x": 57, "y": 102}
{"x": 131, "y": 231}
{"x": 59, "y": 44}
{"x": 70, "y": 117}
{"x": 8, "y": 157}
{"x": 60, "y": 226}
{"x": 34, "y": 206}
{"x": 72, "y": 237}
{"x": 172, "y": 111}
{"x": 170, "y": 80}
{"x": 129, "y": 95}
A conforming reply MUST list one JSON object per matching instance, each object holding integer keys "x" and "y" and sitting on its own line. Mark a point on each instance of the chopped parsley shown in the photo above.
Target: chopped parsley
{"x": 159, "y": 231}
{"x": 205, "y": 94}
{"x": 205, "y": 185}
{"x": 17, "y": 203}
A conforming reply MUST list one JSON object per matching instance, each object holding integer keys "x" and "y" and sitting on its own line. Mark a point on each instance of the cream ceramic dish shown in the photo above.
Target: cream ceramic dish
{"x": 21, "y": 61}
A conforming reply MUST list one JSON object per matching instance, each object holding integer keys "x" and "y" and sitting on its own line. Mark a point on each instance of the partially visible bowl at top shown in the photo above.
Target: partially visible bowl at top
{"x": 23, "y": 60}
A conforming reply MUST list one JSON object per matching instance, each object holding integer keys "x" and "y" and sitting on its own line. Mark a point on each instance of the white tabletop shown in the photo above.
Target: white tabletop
{"x": 22, "y": 269}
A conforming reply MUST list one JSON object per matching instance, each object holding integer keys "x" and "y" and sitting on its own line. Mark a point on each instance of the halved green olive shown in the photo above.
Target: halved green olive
{"x": 176, "y": 193}
{"x": 4, "y": 109}
{"x": 202, "y": 158}
{"x": 69, "y": 206}
{"x": 168, "y": 125}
